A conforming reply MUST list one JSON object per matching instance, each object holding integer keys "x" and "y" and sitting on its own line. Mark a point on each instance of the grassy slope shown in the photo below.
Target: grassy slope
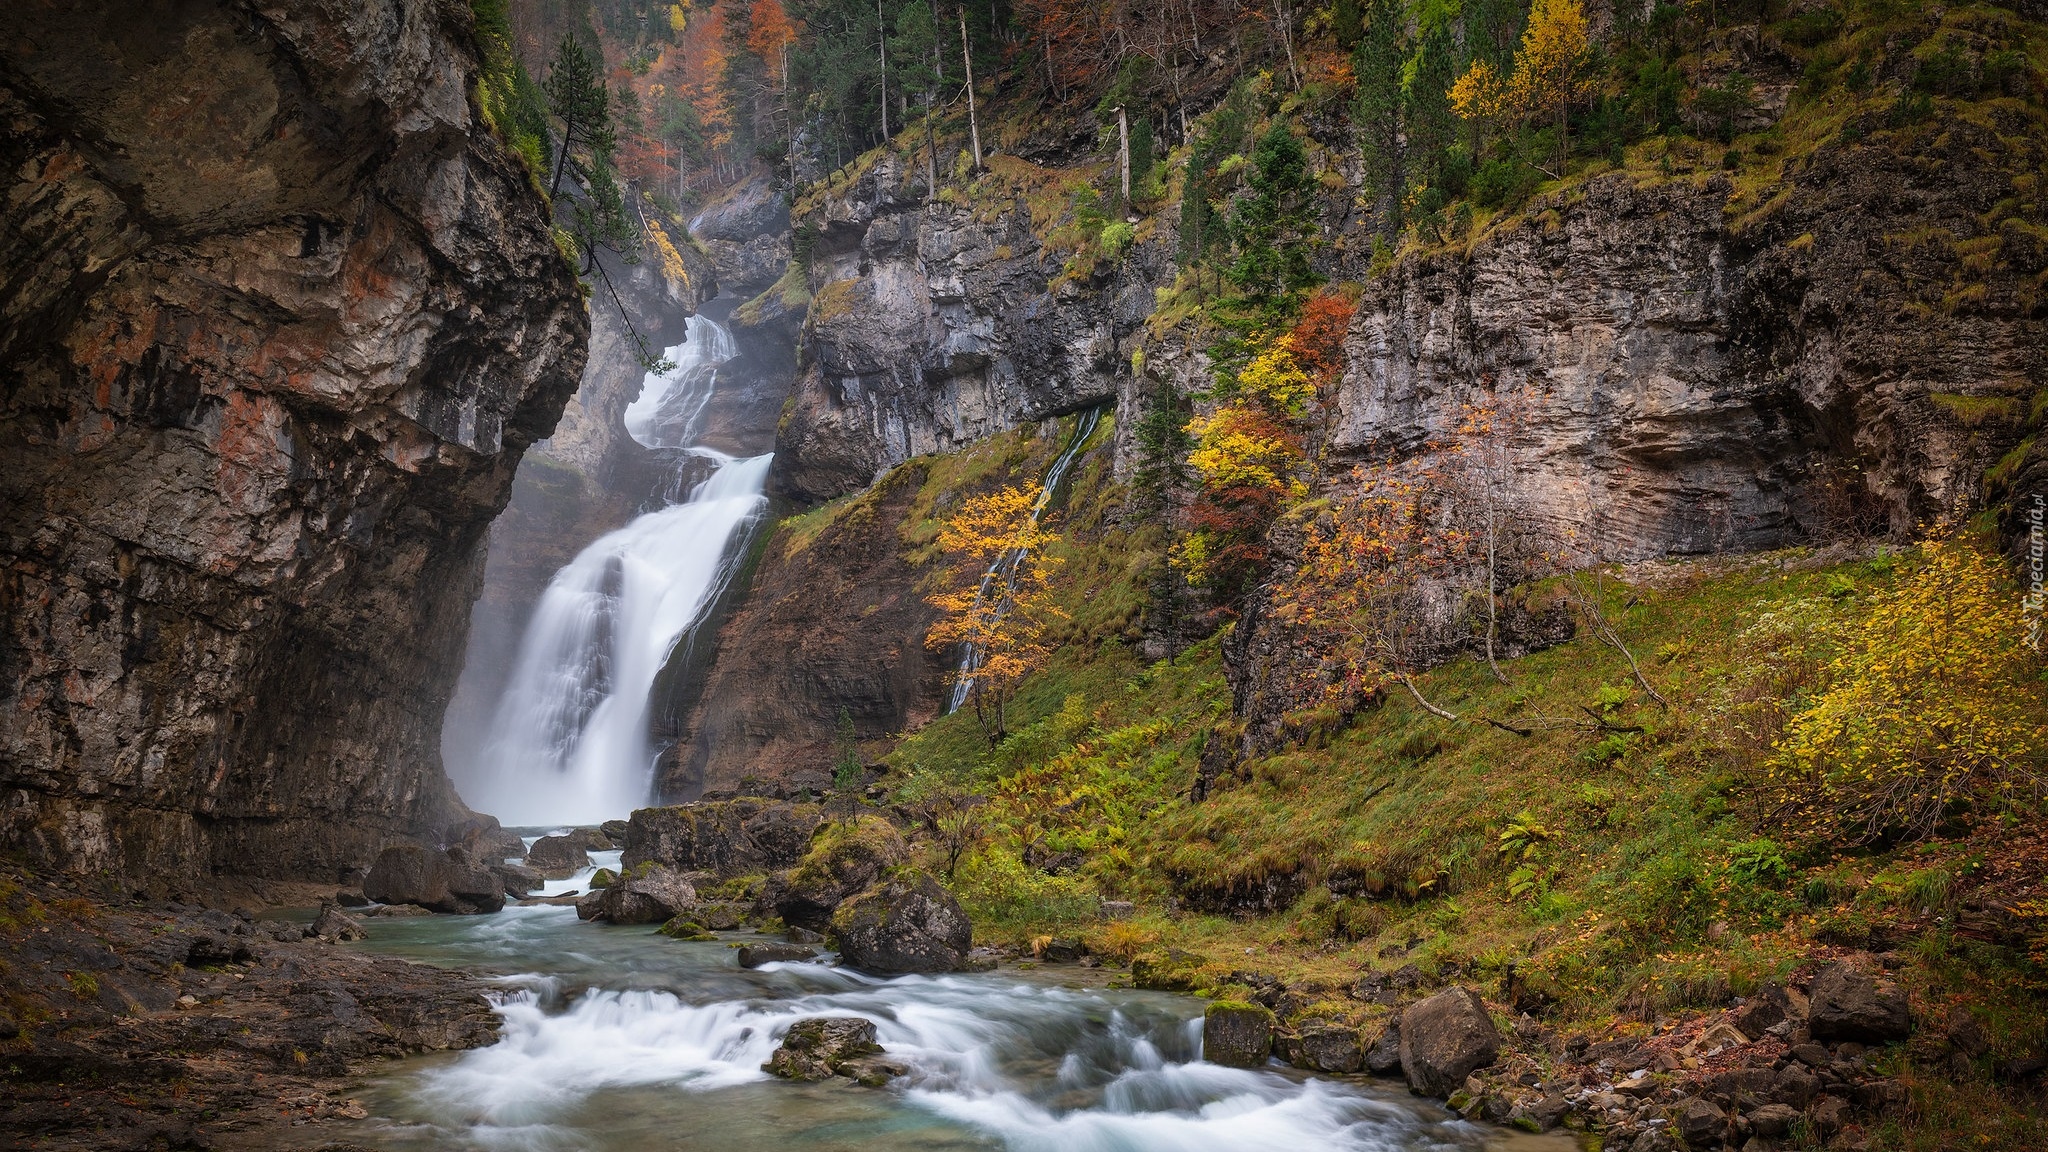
{"x": 1659, "y": 889}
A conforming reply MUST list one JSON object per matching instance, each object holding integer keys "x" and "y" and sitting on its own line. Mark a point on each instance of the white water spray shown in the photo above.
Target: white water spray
{"x": 569, "y": 742}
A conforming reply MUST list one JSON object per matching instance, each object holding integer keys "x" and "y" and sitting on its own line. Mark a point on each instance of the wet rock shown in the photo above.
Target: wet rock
{"x": 1236, "y": 1034}
{"x": 684, "y": 928}
{"x": 485, "y": 840}
{"x": 1849, "y": 1001}
{"x": 557, "y": 857}
{"x": 336, "y": 926}
{"x": 1444, "y": 1039}
{"x": 648, "y": 894}
{"x": 1384, "y": 1057}
{"x": 755, "y": 955}
{"x": 816, "y": 1048}
{"x": 903, "y": 925}
{"x": 1701, "y": 1123}
{"x": 590, "y": 840}
{"x": 518, "y": 879}
{"x": 873, "y": 1071}
{"x": 1328, "y": 1049}
{"x": 602, "y": 878}
{"x": 614, "y": 830}
{"x": 720, "y": 915}
{"x": 843, "y": 860}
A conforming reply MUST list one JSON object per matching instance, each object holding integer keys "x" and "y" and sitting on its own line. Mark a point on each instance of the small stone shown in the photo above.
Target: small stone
{"x": 1773, "y": 1120}
{"x": 1700, "y": 1123}
{"x": 755, "y": 955}
{"x": 335, "y": 926}
{"x": 1812, "y": 1055}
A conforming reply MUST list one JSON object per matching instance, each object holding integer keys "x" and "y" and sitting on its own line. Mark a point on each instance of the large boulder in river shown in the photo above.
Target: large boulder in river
{"x": 844, "y": 859}
{"x": 484, "y": 839}
{"x": 724, "y": 838}
{"x": 440, "y": 881}
{"x": 1444, "y": 1039}
{"x": 648, "y": 894}
{"x": 1238, "y": 1035}
{"x": 903, "y": 925}
{"x": 557, "y": 857}
{"x": 1848, "y": 1000}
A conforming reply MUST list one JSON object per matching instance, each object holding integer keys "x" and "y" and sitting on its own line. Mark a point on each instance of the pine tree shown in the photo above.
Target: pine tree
{"x": 1378, "y": 63}
{"x": 1275, "y": 224}
{"x": 578, "y": 98}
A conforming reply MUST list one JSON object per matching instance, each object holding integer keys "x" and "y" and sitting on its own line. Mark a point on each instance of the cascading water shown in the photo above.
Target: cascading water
{"x": 1005, "y": 566}
{"x": 569, "y": 741}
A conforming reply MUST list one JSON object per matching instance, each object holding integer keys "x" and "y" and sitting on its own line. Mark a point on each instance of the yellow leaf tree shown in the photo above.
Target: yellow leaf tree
{"x": 1000, "y": 600}
{"x": 1935, "y": 701}
{"x": 1552, "y": 72}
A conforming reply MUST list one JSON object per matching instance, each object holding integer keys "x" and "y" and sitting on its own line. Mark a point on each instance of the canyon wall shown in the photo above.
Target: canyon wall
{"x": 279, "y": 318}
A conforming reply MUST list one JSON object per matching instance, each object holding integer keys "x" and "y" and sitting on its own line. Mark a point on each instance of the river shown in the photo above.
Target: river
{"x": 617, "y": 1039}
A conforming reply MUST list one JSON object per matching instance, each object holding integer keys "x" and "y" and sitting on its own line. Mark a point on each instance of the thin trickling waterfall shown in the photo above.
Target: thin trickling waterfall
{"x": 569, "y": 743}
{"x": 1005, "y": 566}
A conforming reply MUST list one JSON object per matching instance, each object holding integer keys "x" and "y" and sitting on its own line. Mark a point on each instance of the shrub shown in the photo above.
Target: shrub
{"x": 1503, "y": 183}
{"x": 1933, "y": 701}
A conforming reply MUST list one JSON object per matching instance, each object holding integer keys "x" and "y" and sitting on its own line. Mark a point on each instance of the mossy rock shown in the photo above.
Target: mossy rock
{"x": 1237, "y": 1034}
{"x": 604, "y": 878}
{"x": 679, "y": 928}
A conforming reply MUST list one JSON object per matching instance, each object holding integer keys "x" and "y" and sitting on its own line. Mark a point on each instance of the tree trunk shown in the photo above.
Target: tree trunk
{"x": 882, "y": 36}
{"x": 967, "y": 65}
{"x": 1123, "y": 156}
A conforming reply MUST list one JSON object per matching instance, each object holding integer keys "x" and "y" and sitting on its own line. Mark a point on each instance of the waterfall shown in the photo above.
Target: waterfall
{"x": 1005, "y": 565}
{"x": 569, "y": 741}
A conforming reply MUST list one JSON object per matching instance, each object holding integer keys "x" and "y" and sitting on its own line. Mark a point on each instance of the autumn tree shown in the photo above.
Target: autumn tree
{"x": 1001, "y": 603}
{"x": 770, "y": 35}
{"x": 1551, "y": 73}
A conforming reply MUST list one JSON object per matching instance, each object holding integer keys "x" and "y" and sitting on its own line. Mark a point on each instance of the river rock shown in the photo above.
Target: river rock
{"x": 1444, "y": 1039}
{"x": 1327, "y": 1048}
{"x": 844, "y": 859}
{"x": 440, "y": 881}
{"x": 590, "y": 840}
{"x": 649, "y": 894}
{"x": 557, "y": 857}
{"x": 684, "y": 928}
{"x": 1384, "y": 1057}
{"x": 1848, "y": 1001}
{"x": 903, "y": 925}
{"x": 724, "y": 838}
{"x": 614, "y": 830}
{"x": 484, "y": 839}
{"x": 817, "y": 1047}
{"x": 755, "y": 955}
{"x": 719, "y": 915}
{"x": 602, "y": 878}
{"x": 1238, "y": 1035}
{"x": 335, "y": 926}
{"x": 518, "y": 879}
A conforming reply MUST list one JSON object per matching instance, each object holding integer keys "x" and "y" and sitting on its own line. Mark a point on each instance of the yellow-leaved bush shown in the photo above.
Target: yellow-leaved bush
{"x": 1933, "y": 700}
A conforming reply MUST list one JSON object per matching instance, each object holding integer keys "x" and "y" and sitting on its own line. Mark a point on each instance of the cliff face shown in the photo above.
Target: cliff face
{"x": 279, "y": 319}
{"x": 1700, "y": 378}
{"x": 932, "y": 326}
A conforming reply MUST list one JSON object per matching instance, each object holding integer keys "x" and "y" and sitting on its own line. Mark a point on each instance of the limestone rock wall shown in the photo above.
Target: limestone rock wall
{"x": 278, "y": 319}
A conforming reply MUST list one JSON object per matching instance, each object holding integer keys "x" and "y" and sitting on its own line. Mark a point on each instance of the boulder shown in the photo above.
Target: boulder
{"x": 724, "y": 838}
{"x": 1701, "y": 1123}
{"x": 1384, "y": 1057}
{"x": 1848, "y": 1001}
{"x": 684, "y": 928}
{"x": 719, "y": 915}
{"x": 1770, "y": 1006}
{"x": 903, "y": 925}
{"x": 335, "y": 926}
{"x": 1237, "y": 1034}
{"x": 518, "y": 879}
{"x": 590, "y": 840}
{"x": 483, "y": 838}
{"x": 1328, "y": 1048}
{"x": 557, "y": 857}
{"x": 817, "y": 1047}
{"x": 614, "y": 830}
{"x": 1062, "y": 950}
{"x": 348, "y": 899}
{"x": 755, "y": 955}
{"x": 1444, "y": 1039}
{"x": 1773, "y": 1120}
{"x": 438, "y": 881}
{"x": 844, "y": 859}
{"x": 649, "y": 894}
{"x": 602, "y": 878}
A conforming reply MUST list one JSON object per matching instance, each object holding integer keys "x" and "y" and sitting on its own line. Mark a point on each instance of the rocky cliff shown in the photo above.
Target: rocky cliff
{"x": 936, "y": 323}
{"x": 279, "y": 319}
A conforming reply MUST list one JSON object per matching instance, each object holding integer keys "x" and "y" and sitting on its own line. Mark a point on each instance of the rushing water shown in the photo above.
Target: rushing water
{"x": 620, "y": 1040}
{"x": 569, "y": 738}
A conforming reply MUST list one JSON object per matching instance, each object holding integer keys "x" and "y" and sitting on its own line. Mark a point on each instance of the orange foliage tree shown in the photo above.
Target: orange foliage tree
{"x": 1001, "y": 601}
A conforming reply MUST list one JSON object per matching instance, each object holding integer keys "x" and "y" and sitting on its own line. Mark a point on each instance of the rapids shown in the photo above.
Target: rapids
{"x": 620, "y": 1040}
